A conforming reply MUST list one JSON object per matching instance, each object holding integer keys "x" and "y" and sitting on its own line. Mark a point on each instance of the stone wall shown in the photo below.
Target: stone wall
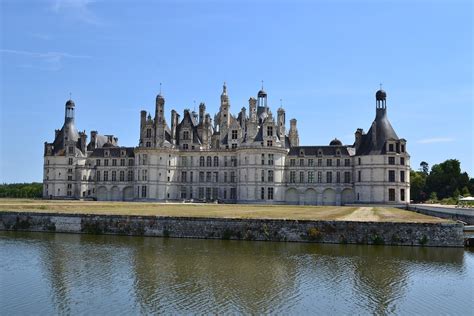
{"x": 408, "y": 234}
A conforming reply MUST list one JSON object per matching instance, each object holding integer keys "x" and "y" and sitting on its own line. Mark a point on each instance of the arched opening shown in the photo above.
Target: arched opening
{"x": 128, "y": 194}
{"x": 310, "y": 197}
{"x": 116, "y": 195}
{"x": 347, "y": 196}
{"x": 292, "y": 196}
{"x": 102, "y": 193}
{"x": 329, "y": 197}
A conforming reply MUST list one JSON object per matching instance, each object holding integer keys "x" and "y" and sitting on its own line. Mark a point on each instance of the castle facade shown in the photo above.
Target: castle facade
{"x": 251, "y": 157}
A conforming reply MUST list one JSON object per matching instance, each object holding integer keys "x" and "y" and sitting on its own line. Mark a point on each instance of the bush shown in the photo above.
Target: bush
{"x": 314, "y": 234}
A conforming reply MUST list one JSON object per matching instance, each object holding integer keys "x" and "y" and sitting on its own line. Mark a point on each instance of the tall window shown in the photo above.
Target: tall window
{"x": 148, "y": 132}
{"x": 201, "y": 161}
{"x": 338, "y": 177}
{"x": 391, "y": 195}
{"x": 292, "y": 176}
{"x": 402, "y": 194}
{"x": 310, "y": 162}
{"x": 191, "y": 177}
{"x": 184, "y": 176}
{"x": 232, "y": 177}
{"x": 292, "y": 162}
{"x": 114, "y": 162}
{"x": 216, "y": 161}
{"x": 320, "y": 177}
{"x": 329, "y": 162}
{"x": 310, "y": 176}
{"x": 122, "y": 175}
{"x": 234, "y": 134}
{"x": 301, "y": 176}
{"x": 320, "y": 162}
{"x": 97, "y": 175}
{"x": 201, "y": 176}
{"x": 402, "y": 176}
{"x": 391, "y": 160}
{"x": 347, "y": 162}
{"x": 270, "y": 193}
{"x": 183, "y": 192}
{"x": 97, "y": 162}
{"x": 209, "y": 161}
{"x": 122, "y": 162}
{"x": 263, "y": 159}
{"x": 329, "y": 177}
{"x": 301, "y": 162}
{"x": 391, "y": 176}
{"x": 359, "y": 176}
{"x": 129, "y": 175}
{"x": 402, "y": 160}
{"x": 262, "y": 193}
{"x": 186, "y": 137}
{"x": 216, "y": 177}
{"x": 269, "y": 131}
{"x": 106, "y": 176}
{"x": 338, "y": 162}
{"x": 270, "y": 159}
{"x": 270, "y": 175}
{"x": 69, "y": 161}
{"x": 208, "y": 176}
{"x": 143, "y": 191}
{"x": 347, "y": 177}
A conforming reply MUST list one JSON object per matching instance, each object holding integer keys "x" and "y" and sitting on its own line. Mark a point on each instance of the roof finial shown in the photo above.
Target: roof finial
{"x": 281, "y": 102}
{"x": 160, "y": 88}
{"x": 262, "y": 84}
{"x": 224, "y": 88}
{"x": 194, "y": 109}
{"x": 380, "y": 86}
{"x": 70, "y": 96}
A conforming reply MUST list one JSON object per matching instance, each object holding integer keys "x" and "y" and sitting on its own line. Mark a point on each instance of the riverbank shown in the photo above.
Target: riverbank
{"x": 441, "y": 233}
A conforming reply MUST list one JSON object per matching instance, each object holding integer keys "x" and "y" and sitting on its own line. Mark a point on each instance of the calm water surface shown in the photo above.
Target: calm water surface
{"x": 42, "y": 273}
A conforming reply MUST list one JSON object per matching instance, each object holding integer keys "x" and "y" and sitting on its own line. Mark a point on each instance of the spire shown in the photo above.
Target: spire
{"x": 224, "y": 89}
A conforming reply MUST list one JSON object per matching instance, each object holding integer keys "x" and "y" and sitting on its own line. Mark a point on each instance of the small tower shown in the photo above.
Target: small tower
{"x": 381, "y": 99}
{"x": 262, "y": 97}
{"x": 159, "y": 108}
{"x": 293, "y": 134}
{"x": 281, "y": 123}
{"x": 202, "y": 112}
{"x": 224, "y": 118}
{"x": 69, "y": 111}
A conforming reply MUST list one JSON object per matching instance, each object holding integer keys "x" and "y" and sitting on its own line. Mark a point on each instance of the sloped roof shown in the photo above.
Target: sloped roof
{"x": 314, "y": 150}
{"x": 114, "y": 152}
{"x": 381, "y": 130}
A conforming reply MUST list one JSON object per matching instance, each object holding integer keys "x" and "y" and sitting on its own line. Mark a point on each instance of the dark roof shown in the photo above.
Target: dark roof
{"x": 68, "y": 132}
{"x": 335, "y": 142}
{"x": 261, "y": 93}
{"x": 314, "y": 150}
{"x": 100, "y": 141}
{"x": 70, "y": 103}
{"x": 113, "y": 152}
{"x": 381, "y": 95}
{"x": 381, "y": 130}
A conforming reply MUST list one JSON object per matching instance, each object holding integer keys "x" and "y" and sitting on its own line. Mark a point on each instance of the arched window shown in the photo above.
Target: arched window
{"x": 209, "y": 161}
{"x": 201, "y": 161}
{"x": 216, "y": 161}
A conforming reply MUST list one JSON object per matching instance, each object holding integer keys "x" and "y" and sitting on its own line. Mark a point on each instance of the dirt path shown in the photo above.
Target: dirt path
{"x": 361, "y": 214}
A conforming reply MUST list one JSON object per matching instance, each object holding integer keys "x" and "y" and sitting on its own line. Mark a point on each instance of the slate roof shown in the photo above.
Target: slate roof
{"x": 70, "y": 131}
{"x": 314, "y": 150}
{"x": 114, "y": 152}
{"x": 381, "y": 130}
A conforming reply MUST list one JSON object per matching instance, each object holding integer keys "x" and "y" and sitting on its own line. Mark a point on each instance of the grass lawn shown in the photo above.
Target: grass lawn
{"x": 294, "y": 212}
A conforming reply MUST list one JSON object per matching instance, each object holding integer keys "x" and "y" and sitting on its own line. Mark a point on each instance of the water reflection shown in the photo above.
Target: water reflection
{"x": 115, "y": 274}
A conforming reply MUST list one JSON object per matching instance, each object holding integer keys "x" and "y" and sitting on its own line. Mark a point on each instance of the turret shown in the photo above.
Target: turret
{"x": 69, "y": 111}
{"x": 159, "y": 108}
{"x": 83, "y": 141}
{"x": 202, "y": 112}
{"x": 358, "y": 137}
{"x": 142, "y": 119}
{"x": 281, "y": 130}
{"x": 293, "y": 134}
{"x": 174, "y": 125}
{"x": 224, "y": 111}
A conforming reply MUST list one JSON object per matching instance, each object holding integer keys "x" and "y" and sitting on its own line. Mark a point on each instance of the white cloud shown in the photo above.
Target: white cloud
{"x": 79, "y": 9}
{"x": 436, "y": 140}
{"x": 44, "y": 61}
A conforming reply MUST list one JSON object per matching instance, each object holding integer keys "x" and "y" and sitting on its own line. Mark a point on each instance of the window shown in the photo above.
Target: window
{"x": 201, "y": 161}
{"x": 338, "y": 177}
{"x": 391, "y": 176}
{"x": 269, "y": 143}
{"x": 184, "y": 176}
{"x": 338, "y": 162}
{"x": 114, "y": 162}
{"x": 329, "y": 177}
{"x": 292, "y": 176}
{"x": 69, "y": 178}
{"x": 130, "y": 162}
{"x": 208, "y": 193}
{"x": 216, "y": 177}
{"x": 148, "y": 144}
{"x": 391, "y": 195}
{"x": 209, "y": 161}
{"x": 269, "y": 131}
{"x": 201, "y": 193}
{"x": 122, "y": 175}
{"x": 301, "y": 162}
{"x": 69, "y": 161}
{"x": 402, "y": 176}
{"x": 225, "y": 161}
{"x": 144, "y": 175}
{"x": 216, "y": 161}
{"x": 191, "y": 177}
{"x": 270, "y": 175}
{"x": 270, "y": 193}
{"x": 391, "y": 160}
{"x": 359, "y": 161}
{"x": 225, "y": 177}
{"x": 403, "y": 148}
{"x": 402, "y": 194}
{"x": 183, "y": 192}
{"x": 71, "y": 150}
{"x": 310, "y": 176}
{"x": 234, "y": 134}
{"x": 97, "y": 162}
{"x": 262, "y": 193}
{"x": 208, "y": 176}
{"x": 106, "y": 162}
{"x": 186, "y": 136}
{"x": 97, "y": 175}
{"x": 359, "y": 176}
{"x": 148, "y": 132}
{"x": 310, "y": 162}
{"x": 184, "y": 161}
{"x": 215, "y": 193}
{"x": 69, "y": 186}
{"x": 232, "y": 176}
{"x": 263, "y": 159}
{"x": 301, "y": 176}
{"x": 347, "y": 162}
{"x": 143, "y": 191}
{"x": 263, "y": 176}
{"x": 402, "y": 160}
{"x": 106, "y": 176}
{"x": 185, "y": 146}
{"x": 347, "y": 177}
{"x": 270, "y": 159}
{"x": 329, "y": 162}
{"x": 233, "y": 161}
{"x": 130, "y": 175}
{"x": 122, "y": 162}
{"x": 233, "y": 193}
{"x": 390, "y": 147}
{"x": 292, "y": 162}
{"x": 234, "y": 146}
{"x": 320, "y": 177}
{"x": 69, "y": 170}
{"x": 320, "y": 162}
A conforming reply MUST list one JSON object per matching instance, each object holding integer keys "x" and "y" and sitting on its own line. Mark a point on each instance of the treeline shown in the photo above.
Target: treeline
{"x": 443, "y": 183}
{"x": 21, "y": 190}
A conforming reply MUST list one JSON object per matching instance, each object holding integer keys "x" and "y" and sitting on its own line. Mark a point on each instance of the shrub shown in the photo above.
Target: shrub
{"x": 423, "y": 240}
{"x": 377, "y": 240}
{"x": 314, "y": 234}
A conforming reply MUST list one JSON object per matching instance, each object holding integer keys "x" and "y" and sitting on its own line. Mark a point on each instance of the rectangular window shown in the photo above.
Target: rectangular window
{"x": 208, "y": 193}
{"x": 201, "y": 176}
{"x": 208, "y": 176}
{"x": 391, "y": 160}
{"x": 130, "y": 175}
{"x": 391, "y": 195}
{"x": 320, "y": 162}
{"x": 97, "y": 162}
{"x": 122, "y": 162}
{"x": 329, "y": 162}
{"x": 338, "y": 162}
{"x": 234, "y": 134}
{"x": 215, "y": 193}
{"x": 97, "y": 175}
{"x": 262, "y": 193}
{"x": 347, "y": 177}
{"x": 329, "y": 177}
{"x": 186, "y": 135}
{"x": 359, "y": 160}
{"x": 270, "y": 175}
{"x": 183, "y": 192}
{"x": 263, "y": 176}
{"x": 390, "y": 148}
{"x": 310, "y": 162}
{"x": 130, "y": 162}
{"x": 225, "y": 177}
{"x": 69, "y": 178}
{"x": 347, "y": 162}
{"x": 292, "y": 162}
{"x": 233, "y": 193}
{"x": 234, "y": 146}
{"x": 301, "y": 162}
{"x": 403, "y": 148}
{"x": 69, "y": 161}
{"x": 402, "y": 161}
{"x": 402, "y": 194}
{"x": 122, "y": 175}
{"x": 184, "y": 176}
{"x": 263, "y": 159}
{"x": 216, "y": 176}
{"x": 338, "y": 177}
{"x": 106, "y": 162}
{"x": 320, "y": 177}
{"x": 143, "y": 191}
{"x": 232, "y": 176}
{"x": 106, "y": 176}
{"x": 301, "y": 176}
{"x": 391, "y": 176}
{"x": 71, "y": 150}
{"x": 191, "y": 177}
{"x": 292, "y": 176}
{"x": 359, "y": 176}
{"x": 269, "y": 131}
{"x": 233, "y": 161}
{"x": 310, "y": 176}
{"x": 402, "y": 176}
{"x": 269, "y": 143}
{"x": 114, "y": 175}
{"x": 114, "y": 162}
{"x": 185, "y": 146}
{"x": 270, "y": 159}
{"x": 270, "y": 193}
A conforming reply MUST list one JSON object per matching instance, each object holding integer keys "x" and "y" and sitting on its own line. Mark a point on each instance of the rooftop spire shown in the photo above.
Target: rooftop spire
{"x": 224, "y": 89}
{"x": 160, "y": 88}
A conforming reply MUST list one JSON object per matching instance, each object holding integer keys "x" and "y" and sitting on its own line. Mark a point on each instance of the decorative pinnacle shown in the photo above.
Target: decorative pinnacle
{"x": 281, "y": 102}
{"x": 160, "y": 88}
{"x": 262, "y": 84}
{"x": 380, "y": 86}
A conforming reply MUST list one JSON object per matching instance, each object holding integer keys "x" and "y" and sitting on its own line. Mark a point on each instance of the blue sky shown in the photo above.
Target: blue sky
{"x": 324, "y": 59}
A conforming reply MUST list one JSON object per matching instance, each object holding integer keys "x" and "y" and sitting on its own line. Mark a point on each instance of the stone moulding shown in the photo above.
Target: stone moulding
{"x": 336, "y": 232}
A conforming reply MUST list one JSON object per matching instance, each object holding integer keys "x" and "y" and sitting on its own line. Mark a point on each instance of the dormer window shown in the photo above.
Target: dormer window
{"x": 122, "y": 153}
{"x": 148, "y": 132}
{"x": 106, "y": 153}
{"x": 269, "y": 131}
{"x": 320, "y": 152}
{"x": 186, "y": 135}
{"x": 301, "y": 152}
{"x": 234, "y": 134}
{"x": 390, "y": 147}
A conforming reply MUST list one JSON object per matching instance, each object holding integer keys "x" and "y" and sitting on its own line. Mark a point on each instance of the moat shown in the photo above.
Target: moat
{"x": 47, "y": 273}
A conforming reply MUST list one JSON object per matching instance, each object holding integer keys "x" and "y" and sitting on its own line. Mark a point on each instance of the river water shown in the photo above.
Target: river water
{"x": 44, "y": 273}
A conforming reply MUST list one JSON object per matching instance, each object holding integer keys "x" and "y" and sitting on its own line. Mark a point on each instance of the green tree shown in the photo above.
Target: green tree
{"x": 417, "y": 186}
{"x": 456, "y": 194}
{"x": 465, "y": 192}
{"x": 445, "y": 178}
{"x": 424, "y": 167}
{"x": 433, "y": 196}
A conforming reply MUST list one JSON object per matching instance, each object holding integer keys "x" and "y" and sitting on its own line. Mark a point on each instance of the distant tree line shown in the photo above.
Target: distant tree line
{"x": 21, "y": 190}
{"x": 445, "y": 182}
